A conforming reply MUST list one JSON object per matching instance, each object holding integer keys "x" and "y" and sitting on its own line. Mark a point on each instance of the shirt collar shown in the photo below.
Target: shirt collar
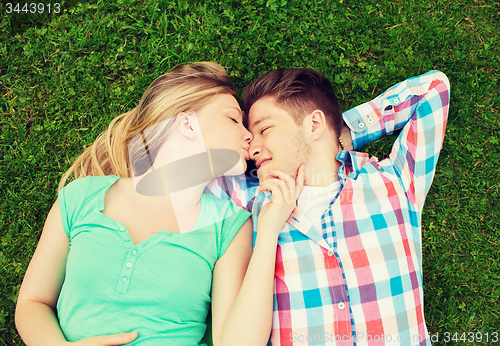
{"x": 351, "y": 163}
{"x": 300, "y": 223}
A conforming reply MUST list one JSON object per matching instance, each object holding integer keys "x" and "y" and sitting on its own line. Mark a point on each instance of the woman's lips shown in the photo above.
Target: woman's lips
{"x": 247, "y": 154}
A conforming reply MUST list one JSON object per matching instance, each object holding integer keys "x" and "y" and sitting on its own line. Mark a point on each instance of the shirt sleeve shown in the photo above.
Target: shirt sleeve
{"x": 241, "y": 190}
{"x": 230, "y": 227}
{"x": 419, "y": 106}
{"x": 70, "y": 199}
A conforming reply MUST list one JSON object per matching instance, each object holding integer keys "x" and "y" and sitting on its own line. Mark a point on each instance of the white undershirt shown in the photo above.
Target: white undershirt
{"x": 314, "y": 200}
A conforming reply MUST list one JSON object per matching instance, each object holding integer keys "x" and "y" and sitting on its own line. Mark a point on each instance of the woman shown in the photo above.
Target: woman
{"x": 138, "y": 259}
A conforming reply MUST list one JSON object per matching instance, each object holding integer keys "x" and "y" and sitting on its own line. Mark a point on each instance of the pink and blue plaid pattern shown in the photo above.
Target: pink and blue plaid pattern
{"x": 358, "y": 280}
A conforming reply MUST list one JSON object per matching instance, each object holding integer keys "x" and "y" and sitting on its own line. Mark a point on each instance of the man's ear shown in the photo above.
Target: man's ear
{"x": 186, "y": 124}
{"x": 316, "y": 124}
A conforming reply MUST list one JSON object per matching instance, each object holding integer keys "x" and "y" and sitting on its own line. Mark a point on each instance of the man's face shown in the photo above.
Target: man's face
{"x": 278, "y": 143}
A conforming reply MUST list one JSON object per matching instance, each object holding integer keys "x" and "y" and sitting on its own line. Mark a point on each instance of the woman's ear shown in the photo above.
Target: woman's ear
{"x": 186, "y": 124}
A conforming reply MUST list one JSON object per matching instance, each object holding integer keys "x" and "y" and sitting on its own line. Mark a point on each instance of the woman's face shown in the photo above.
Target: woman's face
{"x": 222, "y": 126}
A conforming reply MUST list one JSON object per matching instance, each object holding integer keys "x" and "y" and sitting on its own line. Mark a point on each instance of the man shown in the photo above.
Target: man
{"x": 348, "y": 265}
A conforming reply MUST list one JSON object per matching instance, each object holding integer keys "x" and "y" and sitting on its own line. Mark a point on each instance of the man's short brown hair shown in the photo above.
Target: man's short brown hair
{"x": 299, "y": 91}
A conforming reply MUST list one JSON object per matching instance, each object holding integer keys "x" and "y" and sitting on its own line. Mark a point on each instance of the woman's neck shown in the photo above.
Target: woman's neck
{"x": 182, "y": 206}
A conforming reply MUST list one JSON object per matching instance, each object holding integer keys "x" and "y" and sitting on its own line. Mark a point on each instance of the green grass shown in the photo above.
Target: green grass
{"x": 64, "y": 76}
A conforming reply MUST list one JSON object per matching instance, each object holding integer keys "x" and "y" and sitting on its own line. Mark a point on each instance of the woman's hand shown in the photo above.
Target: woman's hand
{"x": 285, "y": 190}
{"x": 107, "y": 340}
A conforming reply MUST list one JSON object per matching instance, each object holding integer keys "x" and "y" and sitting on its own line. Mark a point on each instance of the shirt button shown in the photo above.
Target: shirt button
{"x": 330, "y": 253}
{"x": 129, "y": 264}
{"x": 361, "y": 125}
{"x": 127, "y": 239}
{"x": 134, "y": 252}
{"x": 396, "y": 101}
{"x": 341, "y": 306}
{"x": 122, "y": 229}
{"x": 124, "y": 279}
{"x": 370, "y": 119}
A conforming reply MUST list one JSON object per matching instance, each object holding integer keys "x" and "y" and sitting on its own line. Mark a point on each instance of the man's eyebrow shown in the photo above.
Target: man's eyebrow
{"x": 255, "y": 124}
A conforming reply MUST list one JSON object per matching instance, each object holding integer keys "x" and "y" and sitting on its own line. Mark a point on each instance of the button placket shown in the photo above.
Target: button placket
{"x": 338, "y": 296}
{"x": 123, "y": 232}
{"x": 127, "y": 271}
{"x": 132, "y": 256}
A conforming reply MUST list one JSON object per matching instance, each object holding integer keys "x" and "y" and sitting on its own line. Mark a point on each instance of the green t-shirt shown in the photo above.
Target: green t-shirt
{"x": 160, "y": 287}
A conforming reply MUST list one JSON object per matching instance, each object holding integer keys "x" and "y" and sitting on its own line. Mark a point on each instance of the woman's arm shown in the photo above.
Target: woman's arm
{"x": 229, "y": 272}
{"x": 246, "y": 317}
{"x": 35, "y": 317}
{"x": 36, "y": 320}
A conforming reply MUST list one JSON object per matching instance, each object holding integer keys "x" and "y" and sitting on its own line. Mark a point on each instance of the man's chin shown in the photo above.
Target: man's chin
{"x": 264, "y": 174}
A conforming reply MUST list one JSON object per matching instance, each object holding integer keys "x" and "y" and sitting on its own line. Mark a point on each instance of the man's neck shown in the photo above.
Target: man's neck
{"x": 322, "y": 170}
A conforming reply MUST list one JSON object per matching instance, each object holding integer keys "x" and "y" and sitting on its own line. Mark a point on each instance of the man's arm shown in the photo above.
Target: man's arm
{"x": 419, "y": 105}
{"x": 346, "y": 137}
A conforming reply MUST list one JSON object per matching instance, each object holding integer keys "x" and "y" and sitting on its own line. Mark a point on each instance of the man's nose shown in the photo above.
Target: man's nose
{"x": 255, "y": 149}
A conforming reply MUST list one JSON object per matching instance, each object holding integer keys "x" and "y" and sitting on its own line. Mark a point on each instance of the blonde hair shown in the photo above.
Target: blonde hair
{"x": 185, "y": 88}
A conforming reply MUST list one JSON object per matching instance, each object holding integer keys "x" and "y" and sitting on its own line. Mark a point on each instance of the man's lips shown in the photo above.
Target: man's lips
{"x": 261, "y": 163}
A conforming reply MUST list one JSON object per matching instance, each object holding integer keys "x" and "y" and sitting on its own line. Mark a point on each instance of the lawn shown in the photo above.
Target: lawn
{"x": 65, "y": 75}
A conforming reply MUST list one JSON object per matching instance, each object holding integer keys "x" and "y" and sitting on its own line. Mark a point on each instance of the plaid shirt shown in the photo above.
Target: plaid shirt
{"x": 358, "y": 280}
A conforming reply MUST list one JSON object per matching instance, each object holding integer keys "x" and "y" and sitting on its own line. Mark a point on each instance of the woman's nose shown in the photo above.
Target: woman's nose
{"x": 247, "y": 135}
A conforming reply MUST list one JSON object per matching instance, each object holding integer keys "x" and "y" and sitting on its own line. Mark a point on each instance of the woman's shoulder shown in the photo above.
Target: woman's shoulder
{"x": 214, "y": 202}
{"x": 89, "y": 184}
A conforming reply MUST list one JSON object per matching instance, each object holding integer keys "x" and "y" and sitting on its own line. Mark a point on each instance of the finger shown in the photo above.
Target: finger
{"x": 301, "y": 177}
{"x": 264, "y": 185}
{"x": 285, "y": 191}
{"x": 276, "y": 188}
{"x": 290, "y": 181}
{"x": 117, "y": 339}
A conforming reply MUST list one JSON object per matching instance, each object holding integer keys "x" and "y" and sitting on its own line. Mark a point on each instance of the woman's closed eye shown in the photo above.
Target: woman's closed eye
{"x": 264, "y": 129}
